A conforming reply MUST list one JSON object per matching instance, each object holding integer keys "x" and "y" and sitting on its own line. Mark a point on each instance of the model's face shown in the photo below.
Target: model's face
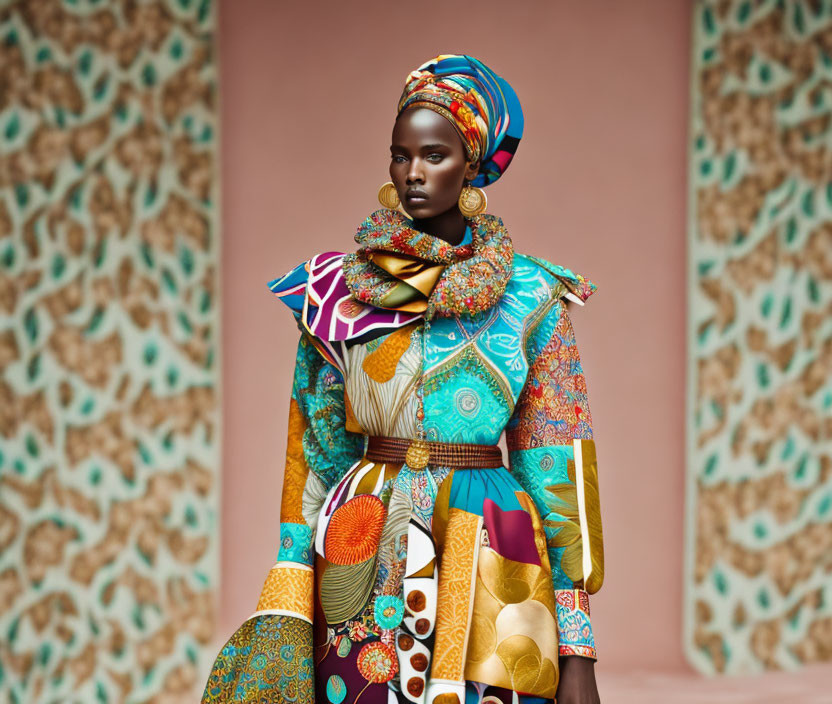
{"x": 427, "y": 163}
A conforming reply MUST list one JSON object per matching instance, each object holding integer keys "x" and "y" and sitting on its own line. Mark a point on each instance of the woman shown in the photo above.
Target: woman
{"x": 413, "y": 566}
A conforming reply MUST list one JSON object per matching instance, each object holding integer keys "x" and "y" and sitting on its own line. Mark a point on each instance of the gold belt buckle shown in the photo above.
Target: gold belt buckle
{"x": 417, "y": 455}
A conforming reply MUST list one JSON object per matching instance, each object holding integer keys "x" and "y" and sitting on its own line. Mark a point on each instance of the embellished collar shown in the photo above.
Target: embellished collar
{"x": 469, "y": 278}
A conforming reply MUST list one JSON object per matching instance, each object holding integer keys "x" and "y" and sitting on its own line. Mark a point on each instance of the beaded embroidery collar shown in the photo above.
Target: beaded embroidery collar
{"x": 474, "y": 277}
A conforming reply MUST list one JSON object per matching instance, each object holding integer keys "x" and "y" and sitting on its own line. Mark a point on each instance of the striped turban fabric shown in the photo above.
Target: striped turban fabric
{"x": 481, "y": 105}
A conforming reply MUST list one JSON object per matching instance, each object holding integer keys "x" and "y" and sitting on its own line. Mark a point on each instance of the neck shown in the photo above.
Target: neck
{"x": 449, "y": 226}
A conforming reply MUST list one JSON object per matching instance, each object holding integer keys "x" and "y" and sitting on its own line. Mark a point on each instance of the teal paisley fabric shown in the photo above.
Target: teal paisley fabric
{"x": 318, "y": 388}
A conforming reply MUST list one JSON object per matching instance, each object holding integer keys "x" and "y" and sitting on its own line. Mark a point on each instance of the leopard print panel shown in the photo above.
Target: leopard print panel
{"x": 759, "y": 519}
{"x": 109, "y": 369}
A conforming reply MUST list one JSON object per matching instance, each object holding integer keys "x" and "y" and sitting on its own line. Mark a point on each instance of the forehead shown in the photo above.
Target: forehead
{"x": 417, "y": 126}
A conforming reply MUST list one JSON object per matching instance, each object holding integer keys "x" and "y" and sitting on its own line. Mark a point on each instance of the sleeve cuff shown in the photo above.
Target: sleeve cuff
{"x": 575, "y": 635}
{"x": 287, "y": 591}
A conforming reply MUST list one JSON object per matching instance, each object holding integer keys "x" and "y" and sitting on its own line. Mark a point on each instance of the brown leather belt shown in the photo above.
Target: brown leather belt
{"x": 420, "y": 453}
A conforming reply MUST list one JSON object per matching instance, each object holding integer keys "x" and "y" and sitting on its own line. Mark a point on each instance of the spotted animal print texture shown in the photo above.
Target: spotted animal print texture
{"x": 759, "y": 531}
{"x": 109, "y": 422}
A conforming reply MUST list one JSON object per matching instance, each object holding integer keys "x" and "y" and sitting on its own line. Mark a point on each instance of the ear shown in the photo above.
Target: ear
{"x": 471, "y": 170}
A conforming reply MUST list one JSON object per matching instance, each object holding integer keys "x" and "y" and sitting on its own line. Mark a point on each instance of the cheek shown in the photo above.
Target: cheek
{"x": 449, "y": 177}
{"x": 397, "y": 174}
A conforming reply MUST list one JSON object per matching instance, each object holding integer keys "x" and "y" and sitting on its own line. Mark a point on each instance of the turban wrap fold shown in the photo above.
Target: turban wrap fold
{"x": 481, "y": 105}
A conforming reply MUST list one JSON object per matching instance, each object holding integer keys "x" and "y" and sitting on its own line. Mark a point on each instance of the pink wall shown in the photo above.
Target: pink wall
{"x": 598, "y": 185}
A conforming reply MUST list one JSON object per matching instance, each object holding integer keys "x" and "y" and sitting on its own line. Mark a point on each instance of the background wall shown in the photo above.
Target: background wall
{"x": 109, "y": 369}
{"x": 308, "y": 101}
{"x": 759, "y": 576}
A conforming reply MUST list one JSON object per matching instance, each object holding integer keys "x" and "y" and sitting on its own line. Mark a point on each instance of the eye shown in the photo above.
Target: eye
{"x": 397, "y": 158}
{"x": 435, "y": 157}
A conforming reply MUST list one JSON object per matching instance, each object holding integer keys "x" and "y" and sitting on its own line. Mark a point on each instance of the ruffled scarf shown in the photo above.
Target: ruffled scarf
{"x": 398, "y": 267}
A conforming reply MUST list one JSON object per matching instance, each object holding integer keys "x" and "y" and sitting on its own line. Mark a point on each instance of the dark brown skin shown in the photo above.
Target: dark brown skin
{"x": 427, "y": 155}
{"x": 577, "y": 681}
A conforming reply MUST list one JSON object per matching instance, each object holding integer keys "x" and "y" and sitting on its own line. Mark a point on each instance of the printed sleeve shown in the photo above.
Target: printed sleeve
{"x": 272, "y": 650}
{"x": 552, "y": 455}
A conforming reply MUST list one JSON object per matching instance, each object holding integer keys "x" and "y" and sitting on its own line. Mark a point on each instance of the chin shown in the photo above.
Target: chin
{"x": 419, "y": 212}
{"x": 426, "y": 212}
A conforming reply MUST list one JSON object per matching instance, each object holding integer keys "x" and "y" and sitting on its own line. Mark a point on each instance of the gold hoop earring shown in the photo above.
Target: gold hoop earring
{"x": 388, "y": 196}
{"x": 472, "y": 201}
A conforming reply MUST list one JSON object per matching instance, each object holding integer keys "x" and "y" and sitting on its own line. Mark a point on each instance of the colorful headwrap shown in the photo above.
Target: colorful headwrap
{"x": 482, "y": 107}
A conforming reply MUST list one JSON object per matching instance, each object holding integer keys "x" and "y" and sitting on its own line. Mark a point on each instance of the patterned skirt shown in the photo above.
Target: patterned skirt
{"x": 432, "y": 585}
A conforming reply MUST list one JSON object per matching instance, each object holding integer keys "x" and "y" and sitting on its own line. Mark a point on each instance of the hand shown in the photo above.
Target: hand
{"x": 577, "y": 681}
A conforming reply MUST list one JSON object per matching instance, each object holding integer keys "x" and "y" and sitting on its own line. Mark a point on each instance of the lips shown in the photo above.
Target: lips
{"x": 416, "y": 196}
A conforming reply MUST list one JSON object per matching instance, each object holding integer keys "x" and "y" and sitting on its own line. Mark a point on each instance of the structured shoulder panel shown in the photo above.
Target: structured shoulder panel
{"x": 567, "y": 284}
{"x": 317, "y": 293}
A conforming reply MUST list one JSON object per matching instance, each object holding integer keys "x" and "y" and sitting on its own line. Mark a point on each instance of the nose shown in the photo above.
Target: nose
{"x": 416, "y": 173}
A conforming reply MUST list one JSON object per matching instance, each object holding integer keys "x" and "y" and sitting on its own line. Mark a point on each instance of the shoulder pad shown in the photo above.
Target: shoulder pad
{"x": 577, "y": 288}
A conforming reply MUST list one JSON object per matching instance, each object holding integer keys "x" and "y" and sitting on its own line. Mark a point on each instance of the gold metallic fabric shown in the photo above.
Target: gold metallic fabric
{"x": 455, "y": 591}
{"x": 513, "y": 638}
{"x": 417, "y": 278}
{"x": 296, "y": 469}
{"x": 288, "y": 589}
{"x": 580, "y": 531}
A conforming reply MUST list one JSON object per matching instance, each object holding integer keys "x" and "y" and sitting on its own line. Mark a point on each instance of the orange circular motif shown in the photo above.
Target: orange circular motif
{"x": 354, "y": 530}
{"x": 377, "y": 662}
